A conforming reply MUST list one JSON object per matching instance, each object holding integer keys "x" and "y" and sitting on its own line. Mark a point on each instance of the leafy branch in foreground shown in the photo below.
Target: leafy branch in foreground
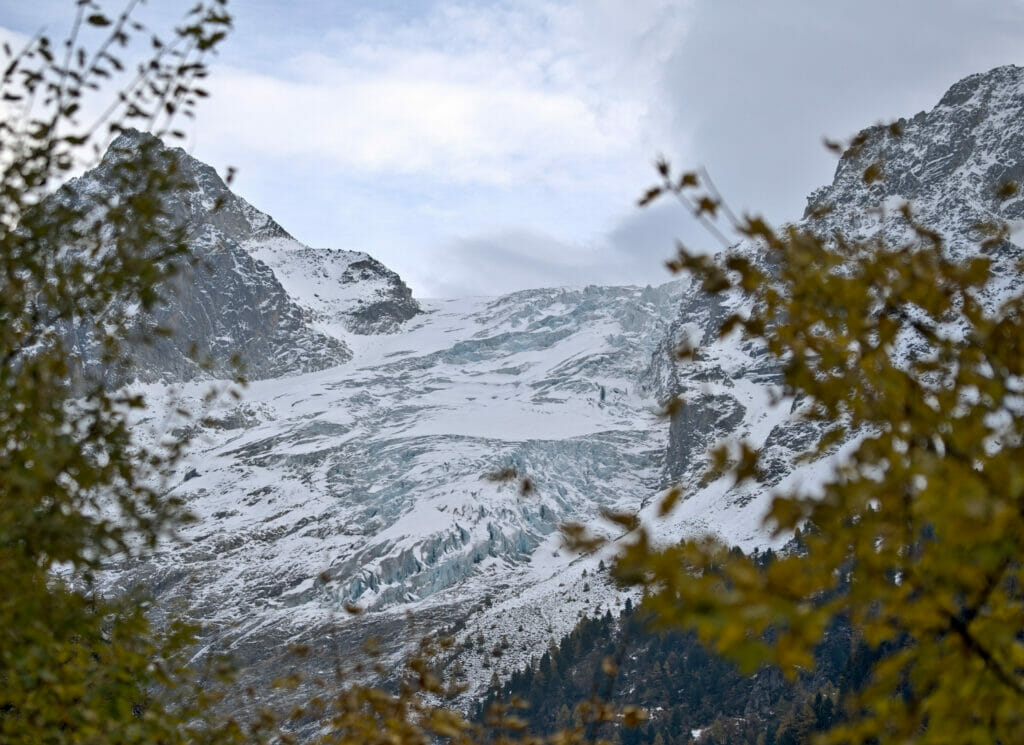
{"x": 917, "y": 539}
{"x": 75, "y": 489}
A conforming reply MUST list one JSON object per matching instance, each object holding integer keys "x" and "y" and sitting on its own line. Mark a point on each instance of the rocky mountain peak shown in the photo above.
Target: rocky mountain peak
{"x": 244, "y": 293}
{"x": 997, "y": 87}
{"x": 948, "y": 162}
{"x": 209, "y": 202}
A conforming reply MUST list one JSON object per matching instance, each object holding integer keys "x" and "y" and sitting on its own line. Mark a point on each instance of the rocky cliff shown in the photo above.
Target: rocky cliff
{"x": 227, "y": 307}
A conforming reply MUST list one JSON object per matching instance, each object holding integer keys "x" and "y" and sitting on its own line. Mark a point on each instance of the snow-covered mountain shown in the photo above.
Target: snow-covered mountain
{"x": 363, "y": 464}
{"x": 233, "y": 299}
{"x": 420, "y": 457}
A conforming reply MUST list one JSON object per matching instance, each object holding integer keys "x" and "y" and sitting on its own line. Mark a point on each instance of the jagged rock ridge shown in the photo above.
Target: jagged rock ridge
{"x": 227, "y": 302}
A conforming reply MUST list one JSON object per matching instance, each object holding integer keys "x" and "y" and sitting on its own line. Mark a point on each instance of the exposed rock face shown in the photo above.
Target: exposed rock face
{"x": 948, "y": 163}
{"x": 230, "y": 305}
{"x": 705, "y": 418}
{"x": 226, "y": 304}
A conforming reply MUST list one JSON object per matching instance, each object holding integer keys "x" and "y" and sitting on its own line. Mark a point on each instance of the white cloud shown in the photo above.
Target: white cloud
{"x": 501, "y": 261}
{"x": 472, "y": 147}
{"x": 483, "y": 146}
{"x": 390, "y": 124}
{"x": 536, "y": 93}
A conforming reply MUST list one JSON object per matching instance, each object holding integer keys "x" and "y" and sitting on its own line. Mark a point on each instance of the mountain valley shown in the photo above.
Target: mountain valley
{"x": 415, "y": 458}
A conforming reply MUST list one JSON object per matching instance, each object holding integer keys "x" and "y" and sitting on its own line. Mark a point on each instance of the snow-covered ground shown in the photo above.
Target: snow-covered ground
{"x": 370, "y": 483}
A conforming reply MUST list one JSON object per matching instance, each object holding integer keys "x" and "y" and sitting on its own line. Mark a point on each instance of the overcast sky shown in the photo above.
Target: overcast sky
{"x": 483, "y": 147}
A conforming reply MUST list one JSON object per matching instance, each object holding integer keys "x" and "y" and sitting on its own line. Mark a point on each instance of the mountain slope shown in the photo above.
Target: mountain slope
{"x": 338, "y": 290}
{"x": 373, "y": 482}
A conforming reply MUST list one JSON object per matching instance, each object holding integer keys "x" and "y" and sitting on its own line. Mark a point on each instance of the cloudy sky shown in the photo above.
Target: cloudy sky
{"x": 483, "y": 147}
